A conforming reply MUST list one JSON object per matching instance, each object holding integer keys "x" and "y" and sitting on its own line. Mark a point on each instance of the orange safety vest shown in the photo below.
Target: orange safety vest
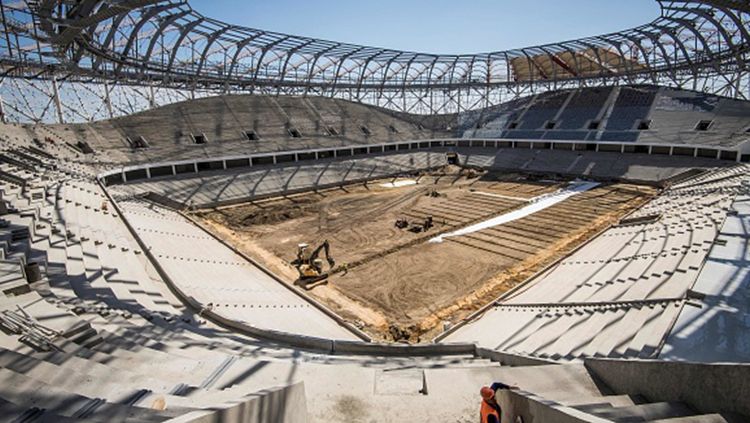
{"x": 486, "y": 411}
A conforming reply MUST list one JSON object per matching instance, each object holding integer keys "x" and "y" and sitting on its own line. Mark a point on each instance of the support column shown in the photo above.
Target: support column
{"x": 152, "y": 97}
{"x": 108, "y": 101}
{"x": 58, "y": 104}
{"x": 3, "y": 118}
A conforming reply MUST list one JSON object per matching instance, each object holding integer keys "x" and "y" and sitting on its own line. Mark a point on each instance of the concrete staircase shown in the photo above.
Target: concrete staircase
{"x": 544, "y": 395}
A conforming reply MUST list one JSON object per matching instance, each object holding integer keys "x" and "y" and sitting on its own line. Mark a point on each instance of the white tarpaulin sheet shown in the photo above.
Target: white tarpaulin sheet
{"x": 536, "y": 204}
{"x": 399, "y": 184}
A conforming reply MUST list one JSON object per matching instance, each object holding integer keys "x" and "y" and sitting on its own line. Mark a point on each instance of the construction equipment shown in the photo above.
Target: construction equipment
{"x": 309, "y": 266}
{"x": 423, "y": 227}
{"x": 416, "y": 228}
{"x": 452, "y": 158}
{"x": 434, "y": 194}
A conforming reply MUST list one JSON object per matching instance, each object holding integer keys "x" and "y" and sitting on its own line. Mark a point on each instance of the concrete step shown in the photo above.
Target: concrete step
{"x": 604, "y": 401}
{"x": 16, "y": 413}
{"x": 640, "y": 412}
{"x": 30, "y": 392}
{"x": 89, "y": 368}
{"x": 704, "y": 418}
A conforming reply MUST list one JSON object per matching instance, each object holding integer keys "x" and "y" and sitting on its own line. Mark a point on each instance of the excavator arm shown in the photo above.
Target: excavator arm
{"x": 327, "y": 247}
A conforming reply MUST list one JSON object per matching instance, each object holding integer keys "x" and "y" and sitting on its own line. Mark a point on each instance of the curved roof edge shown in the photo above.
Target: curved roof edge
{"x": 695, "y": 44}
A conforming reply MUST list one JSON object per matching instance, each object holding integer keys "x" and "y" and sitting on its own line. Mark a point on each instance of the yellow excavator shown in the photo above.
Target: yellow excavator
{"x": 309, "y": 266}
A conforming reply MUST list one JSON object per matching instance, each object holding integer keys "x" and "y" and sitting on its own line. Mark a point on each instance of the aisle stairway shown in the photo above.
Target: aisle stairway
{"x": 544, "y": 396}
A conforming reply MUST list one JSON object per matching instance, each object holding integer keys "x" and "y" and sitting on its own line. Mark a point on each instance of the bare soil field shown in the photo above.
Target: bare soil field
{"x": 392, "y": 282}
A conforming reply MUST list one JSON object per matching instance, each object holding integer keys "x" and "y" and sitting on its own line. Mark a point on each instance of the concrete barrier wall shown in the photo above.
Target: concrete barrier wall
{"x": 532, "y": 409}
{"x": 709, "y": 388}
{"x": 391, "y": 350}
{"x": 276, "y": 405}
{"x": 319, "y": 187}
{"x": 144, "y": 171}
{"x": 512, "y": 360}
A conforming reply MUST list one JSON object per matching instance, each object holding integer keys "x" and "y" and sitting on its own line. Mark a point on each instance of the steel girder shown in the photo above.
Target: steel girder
{"x": 700, "y": 44}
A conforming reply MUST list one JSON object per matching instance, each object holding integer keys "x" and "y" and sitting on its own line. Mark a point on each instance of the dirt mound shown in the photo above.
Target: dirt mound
{"x": 408, "y": 334}
{"x": 272, "y": 213}
{"x": 278, "y": 215}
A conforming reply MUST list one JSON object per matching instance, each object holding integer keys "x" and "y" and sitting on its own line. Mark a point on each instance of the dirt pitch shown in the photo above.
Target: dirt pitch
{"x": 392, "y": 282}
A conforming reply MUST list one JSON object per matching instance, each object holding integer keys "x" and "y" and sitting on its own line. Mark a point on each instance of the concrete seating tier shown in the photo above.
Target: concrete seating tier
{"x": 222, "y": 280}
{"x": 669, "y": 116}
{"x": 631, "y": 329}
{"x": 241, "y": 184}
{"x": 605, "y": 165}
{"x": 714, "y": 326}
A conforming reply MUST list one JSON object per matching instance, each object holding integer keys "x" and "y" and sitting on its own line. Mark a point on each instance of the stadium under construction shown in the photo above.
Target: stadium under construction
{"x": 204, "y": 222}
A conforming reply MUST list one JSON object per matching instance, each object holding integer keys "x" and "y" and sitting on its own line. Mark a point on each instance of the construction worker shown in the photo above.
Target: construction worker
{"x": 489, "y": 411}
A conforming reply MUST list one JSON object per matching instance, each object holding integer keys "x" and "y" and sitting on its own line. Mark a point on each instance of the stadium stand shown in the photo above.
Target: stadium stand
{"x": 233, "y": 186}
{"x": 226, "y": 121}
{"x": 209, "y": 271}
{"x": 621, "y": 114}
{"x": 710, "y": 327}
{"x": 632, "y": 106}
{"x": 583, "y": 108}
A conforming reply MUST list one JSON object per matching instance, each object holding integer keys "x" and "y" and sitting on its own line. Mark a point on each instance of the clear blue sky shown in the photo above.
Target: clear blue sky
{"x": 435, "y": 26}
